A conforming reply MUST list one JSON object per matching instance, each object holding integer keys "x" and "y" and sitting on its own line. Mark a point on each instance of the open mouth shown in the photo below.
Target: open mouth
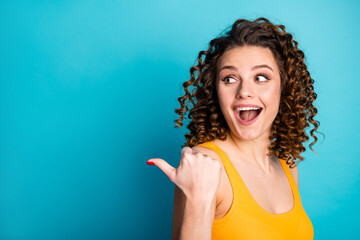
{"x": 247, "y": 115}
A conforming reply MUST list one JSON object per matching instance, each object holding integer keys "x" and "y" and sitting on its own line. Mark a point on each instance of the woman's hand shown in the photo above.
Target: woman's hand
{"x": 198, "y": 175}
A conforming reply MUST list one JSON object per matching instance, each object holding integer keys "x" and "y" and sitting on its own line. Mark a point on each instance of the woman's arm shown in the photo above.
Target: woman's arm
{"x": 191, "y": 220}
{"x": 197, "y": 181}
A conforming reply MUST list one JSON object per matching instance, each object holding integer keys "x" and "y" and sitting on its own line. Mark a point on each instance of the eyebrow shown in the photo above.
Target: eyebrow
{"x": 253, "y": 68}
{"x": 262, "y": 66}
{"x": 228, "y": 67}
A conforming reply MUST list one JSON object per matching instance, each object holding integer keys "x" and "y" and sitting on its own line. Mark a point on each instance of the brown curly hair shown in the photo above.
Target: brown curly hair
{"x": 296, "y": 109}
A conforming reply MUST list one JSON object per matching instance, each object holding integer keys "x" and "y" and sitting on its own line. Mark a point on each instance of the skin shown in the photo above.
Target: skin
{"x": 203, "y": 191}
{"x": 253, "y": 78}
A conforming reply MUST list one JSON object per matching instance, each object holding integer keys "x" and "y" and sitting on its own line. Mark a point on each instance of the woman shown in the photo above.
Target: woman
{"x": 252, "y": 98}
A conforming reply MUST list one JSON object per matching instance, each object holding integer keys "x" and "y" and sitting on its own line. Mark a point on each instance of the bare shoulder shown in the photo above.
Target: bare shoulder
{"x": 295, "y": 173}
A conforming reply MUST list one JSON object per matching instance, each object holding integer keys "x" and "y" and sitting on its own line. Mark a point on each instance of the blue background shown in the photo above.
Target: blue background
{"x": 88, "y": 91}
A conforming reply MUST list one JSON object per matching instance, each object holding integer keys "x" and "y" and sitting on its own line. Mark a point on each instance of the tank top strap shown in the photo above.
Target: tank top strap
{"x": 289, "y": 176}
{"x": 223, "y": 156}
{"x": 229, "y": 167}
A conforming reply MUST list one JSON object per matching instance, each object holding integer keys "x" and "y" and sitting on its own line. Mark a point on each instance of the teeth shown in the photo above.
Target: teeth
{"x": 247, "y": 108}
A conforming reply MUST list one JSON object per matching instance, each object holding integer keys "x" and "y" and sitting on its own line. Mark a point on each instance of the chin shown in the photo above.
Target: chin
{"x": 251, "y": 134}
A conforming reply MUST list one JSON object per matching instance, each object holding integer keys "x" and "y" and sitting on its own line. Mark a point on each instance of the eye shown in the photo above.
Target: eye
{"x": 228, "y": 80}
{"x": 261, "y": 78}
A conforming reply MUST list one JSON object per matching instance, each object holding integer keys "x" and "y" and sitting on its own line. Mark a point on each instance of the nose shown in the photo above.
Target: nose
{"x": 245, "y": 90}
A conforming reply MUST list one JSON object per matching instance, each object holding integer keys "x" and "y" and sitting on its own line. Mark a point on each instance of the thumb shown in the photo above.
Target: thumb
{"x": 164, "y": 166}
{"x": 185, "y": 150}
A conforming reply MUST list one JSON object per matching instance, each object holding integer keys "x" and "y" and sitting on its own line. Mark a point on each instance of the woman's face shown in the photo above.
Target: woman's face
{"x": 249, "y": 89}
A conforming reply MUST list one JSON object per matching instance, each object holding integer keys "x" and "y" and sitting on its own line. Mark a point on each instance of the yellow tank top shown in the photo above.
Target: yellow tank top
{"x": 246, "y": 219}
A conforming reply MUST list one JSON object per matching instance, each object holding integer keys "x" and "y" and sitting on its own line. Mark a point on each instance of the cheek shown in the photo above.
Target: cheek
{"x": 222, "y": 104}
{"x": 224, "y": 99}
{"x": 271, "y": 98}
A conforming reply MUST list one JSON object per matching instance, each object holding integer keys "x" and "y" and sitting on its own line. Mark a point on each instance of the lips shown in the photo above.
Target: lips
{"x": 247, "y": 114}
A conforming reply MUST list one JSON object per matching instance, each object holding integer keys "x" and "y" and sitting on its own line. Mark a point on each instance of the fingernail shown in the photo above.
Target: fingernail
{"x": 150, "y": 163}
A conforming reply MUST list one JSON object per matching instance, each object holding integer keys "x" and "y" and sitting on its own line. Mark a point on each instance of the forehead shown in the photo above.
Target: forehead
{"x": 247, "y": 57}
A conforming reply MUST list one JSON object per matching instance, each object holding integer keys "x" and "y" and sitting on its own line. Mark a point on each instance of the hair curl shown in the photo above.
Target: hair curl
{"x": 296, "y": 110}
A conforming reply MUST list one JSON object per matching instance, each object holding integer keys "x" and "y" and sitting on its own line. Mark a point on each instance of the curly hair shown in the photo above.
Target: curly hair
{"x": 296, "y": 110}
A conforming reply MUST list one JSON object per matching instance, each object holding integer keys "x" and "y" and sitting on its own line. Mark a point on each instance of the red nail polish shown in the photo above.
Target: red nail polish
{"x": 150, "y": 163}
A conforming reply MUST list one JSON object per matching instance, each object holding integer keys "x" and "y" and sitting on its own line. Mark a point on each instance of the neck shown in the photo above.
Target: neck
{"x": 254, "y": 151}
